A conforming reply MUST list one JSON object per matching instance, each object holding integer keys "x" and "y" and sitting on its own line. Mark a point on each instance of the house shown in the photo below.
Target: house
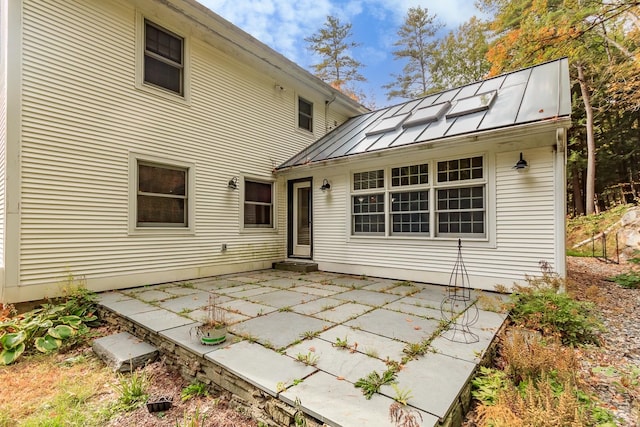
{"x": 138, "y": 140}
{"x": 147, "y": 141}
{"x": 393, "y": 191}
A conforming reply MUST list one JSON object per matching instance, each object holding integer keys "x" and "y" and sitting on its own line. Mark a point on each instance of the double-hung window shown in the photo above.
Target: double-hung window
{"x": 461, "y": 198}
{"x": 368, "y": 205}
{"x": 450, "y": 203}
{"x": 258, "y": 204}
{"x": 163, "y": 58}
{"x": 305, "y": 114}
{"x": 161, "y": 196}
{"x": 410, "y": 200}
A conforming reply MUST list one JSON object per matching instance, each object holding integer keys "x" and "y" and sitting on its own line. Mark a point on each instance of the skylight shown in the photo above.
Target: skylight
{"x": 426, "y": 115}
{"x": 388, "y": 124}
{"x": 473, "y": 104}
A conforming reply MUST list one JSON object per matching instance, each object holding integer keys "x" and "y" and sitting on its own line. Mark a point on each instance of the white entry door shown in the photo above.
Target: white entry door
{"x": 302, "y": 219}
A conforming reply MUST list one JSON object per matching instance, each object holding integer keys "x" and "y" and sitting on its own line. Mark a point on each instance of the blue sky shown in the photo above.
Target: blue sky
{"x": 283, "y": 25}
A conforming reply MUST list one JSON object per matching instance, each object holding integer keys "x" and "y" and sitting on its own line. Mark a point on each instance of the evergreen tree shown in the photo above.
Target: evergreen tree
{"x": 416, "y": 45}
{"x": 332, "y": 43}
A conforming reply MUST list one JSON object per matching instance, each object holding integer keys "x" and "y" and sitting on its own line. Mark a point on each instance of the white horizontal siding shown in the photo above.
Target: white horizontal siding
{"x": 522, "y": 210}
{"x": 82, "y": 116}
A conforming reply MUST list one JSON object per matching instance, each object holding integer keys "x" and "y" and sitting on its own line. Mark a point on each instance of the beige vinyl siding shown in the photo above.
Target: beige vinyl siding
{"x": 82, "y": 116}
{"x": 520, "y": 226}
{"x": 3, "y": 126}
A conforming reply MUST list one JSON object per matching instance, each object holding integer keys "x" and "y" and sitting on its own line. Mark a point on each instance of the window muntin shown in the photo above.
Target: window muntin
{"x": 453, "y": 206}
{"x": 305, "y": 114}
{"x": 368, "y": 214}
{"x": 163, "y": 58}
{"x": 368, "y": 180}
{"x": 410, "y": 175}
{"x": 460, "y": 169}
{"x": 410, "y": 212}
{"x": 258, "y": 204}
{"x": 460, "y": 207}
{"x": 162, "y": 197}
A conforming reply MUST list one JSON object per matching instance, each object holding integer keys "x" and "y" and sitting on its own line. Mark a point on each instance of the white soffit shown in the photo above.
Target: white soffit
{"x": 473, "y": 104}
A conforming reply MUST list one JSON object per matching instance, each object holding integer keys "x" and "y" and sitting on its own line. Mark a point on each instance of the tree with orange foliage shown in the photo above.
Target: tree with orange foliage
{"x": 593, "y": 34}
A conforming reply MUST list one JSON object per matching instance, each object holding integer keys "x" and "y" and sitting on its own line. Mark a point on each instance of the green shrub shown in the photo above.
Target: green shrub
{"x": 488, "y": 384}
{"x": 553, "y": 313}
{"x": 132, "y": 389}
{"x": 630, "y": 280}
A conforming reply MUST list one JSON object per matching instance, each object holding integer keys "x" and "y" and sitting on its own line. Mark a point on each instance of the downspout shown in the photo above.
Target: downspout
{"x": 326, "y": 113}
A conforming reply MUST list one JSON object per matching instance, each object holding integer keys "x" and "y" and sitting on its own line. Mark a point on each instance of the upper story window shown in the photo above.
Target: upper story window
{"x": 163, "y": 58}
{"x": 305, "y": 114}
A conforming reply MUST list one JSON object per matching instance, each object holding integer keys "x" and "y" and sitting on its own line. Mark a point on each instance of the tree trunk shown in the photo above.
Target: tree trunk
{"x": 591, "y": 144}
{"x": 578, "y": 203}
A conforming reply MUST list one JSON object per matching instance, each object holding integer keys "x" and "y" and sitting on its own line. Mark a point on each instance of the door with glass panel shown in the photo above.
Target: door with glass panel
{"x": 301, "y": 219}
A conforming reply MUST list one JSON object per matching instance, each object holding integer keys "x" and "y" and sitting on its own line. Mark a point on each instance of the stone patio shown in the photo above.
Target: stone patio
{"x": 278, "y": 316}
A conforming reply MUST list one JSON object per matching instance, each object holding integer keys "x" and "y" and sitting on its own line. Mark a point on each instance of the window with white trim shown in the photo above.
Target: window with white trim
{"x": 163, "y": 58}
{"x": 258, "y": 204}
{"x": 305, "y": 114}
{"x": 368, "y": 216}
{"x": 410, "y": 207}
{"x": 405, "y": 198}
{"x": 162, "y": 196}
{"x": 460, "y": 209}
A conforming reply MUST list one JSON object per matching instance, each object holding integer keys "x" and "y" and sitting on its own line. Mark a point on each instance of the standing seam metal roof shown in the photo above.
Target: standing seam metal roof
{"x": 537, "y": 93}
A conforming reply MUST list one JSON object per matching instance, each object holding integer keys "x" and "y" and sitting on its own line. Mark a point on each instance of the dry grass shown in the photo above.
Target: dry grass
{"x": 528, "y": 357}
{"x": 535, "y": 406}
{"x": 32, "y": 387}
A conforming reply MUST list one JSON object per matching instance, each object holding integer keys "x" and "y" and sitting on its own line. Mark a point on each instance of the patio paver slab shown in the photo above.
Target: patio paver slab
{"x": 247, "y": 308}
{"x": 371, "y": 298}
{"x": 127, "y": 307}
{"x": 284, "y": 283}
{"x": 435, "y": 381}
{"x": 367, "y": 342}
{"x": 343, "y": 312}
{"x": 339, "y": 362}
{"x": 391, "y": 324}
{"x": 159, "y": 319}
{"x": 317, "y": 305}
{"x": 186, "y": 336}
{"x": 401, "y": 305}
{"x": 282, "y": 298}
{"x": 181, "y": 290}
{"x": 321, "y": 292}
{"x": 339, "y": 403}
{"x": 187, "y": 302}
{"x": 472, "y": 352}
{"x": 279, "y": 329}
{"x": 260, "y": 366}
{"x": 153, "y": 295}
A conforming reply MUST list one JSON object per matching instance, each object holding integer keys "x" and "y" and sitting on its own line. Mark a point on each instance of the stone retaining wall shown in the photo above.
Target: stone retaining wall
{"x": 242, "y": 395}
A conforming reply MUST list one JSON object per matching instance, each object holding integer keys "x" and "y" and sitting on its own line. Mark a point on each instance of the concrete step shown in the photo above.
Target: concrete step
{"x": 297, "y": 266}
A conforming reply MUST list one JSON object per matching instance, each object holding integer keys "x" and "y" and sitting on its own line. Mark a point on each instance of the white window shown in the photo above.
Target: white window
{"x": 368, "y": 206}
{"x": 405, "y": 198}
{"x": 305, "y": 114}
{"x": 460, "y": 204}
{"x": 162, "y": 196}
{"x": 258, "y": 204}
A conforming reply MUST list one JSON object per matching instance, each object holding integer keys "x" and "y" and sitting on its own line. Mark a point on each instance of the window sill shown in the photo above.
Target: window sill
{"x": 161, "y": 231}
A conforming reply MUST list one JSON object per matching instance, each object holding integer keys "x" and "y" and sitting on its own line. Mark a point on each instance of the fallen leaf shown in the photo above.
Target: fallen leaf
{"x": 417, "y": 328}
{"x": 340, "y": 378}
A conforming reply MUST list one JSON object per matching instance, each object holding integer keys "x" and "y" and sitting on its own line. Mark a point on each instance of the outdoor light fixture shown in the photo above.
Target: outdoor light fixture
{"x": 233, "y": 183}
{"x": 325, "y": 185}
{"x": 521, "y": 165}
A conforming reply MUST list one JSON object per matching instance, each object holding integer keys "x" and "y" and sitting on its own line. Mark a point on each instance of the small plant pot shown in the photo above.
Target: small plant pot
{"x": 210, "y": 335}
{"x": 160, "y": 404}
